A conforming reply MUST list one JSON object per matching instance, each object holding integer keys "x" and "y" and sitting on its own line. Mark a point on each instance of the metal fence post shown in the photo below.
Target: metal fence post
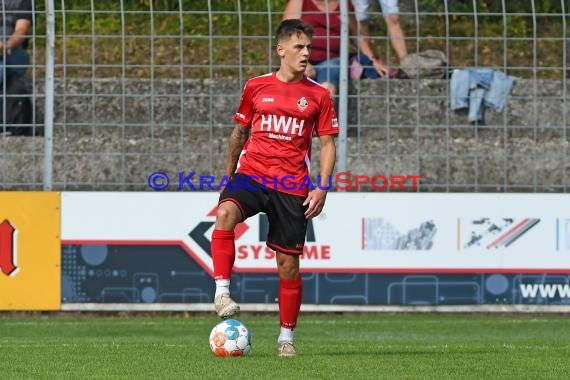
{"x": 49, "y": 95}
{"x": 343, "y": 88}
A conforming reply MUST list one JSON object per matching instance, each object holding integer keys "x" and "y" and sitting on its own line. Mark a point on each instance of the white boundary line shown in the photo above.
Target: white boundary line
{"x": 261, "y": 307}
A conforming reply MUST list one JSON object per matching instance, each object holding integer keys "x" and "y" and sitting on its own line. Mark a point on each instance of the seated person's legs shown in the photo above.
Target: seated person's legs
{"x": 389, "y": 7}
{"x": 391, "y": 12}
{"x": 361, "y": 9}
{"x": 369, "y": 72}
{"x": 16, "y": 63}
{"x": 328, "y": 74}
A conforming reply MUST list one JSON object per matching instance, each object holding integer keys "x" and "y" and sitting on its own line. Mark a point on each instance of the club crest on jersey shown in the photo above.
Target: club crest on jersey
{"x": 302, "y": 104}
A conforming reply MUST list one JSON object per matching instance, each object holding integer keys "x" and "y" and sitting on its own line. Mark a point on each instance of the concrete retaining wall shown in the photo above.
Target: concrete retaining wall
{"x": 110, "y": 135}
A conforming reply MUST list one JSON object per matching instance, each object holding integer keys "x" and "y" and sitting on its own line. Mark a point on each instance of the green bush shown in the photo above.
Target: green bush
{"x": 181, "y": 37}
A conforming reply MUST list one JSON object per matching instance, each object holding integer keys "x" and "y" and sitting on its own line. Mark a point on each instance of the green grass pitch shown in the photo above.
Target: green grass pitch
{"x": 339, "y": 346}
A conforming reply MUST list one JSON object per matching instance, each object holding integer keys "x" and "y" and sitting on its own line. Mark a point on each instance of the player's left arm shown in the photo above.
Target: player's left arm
{"x": 316, "y": 198}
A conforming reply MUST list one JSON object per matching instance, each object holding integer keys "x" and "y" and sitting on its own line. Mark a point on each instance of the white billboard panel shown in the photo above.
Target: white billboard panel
{"x": 357, "y": 232}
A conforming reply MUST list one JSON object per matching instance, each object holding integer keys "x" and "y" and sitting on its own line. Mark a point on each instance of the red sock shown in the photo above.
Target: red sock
{"x": 290, "y": 296}
{"x": 223, "y": 253}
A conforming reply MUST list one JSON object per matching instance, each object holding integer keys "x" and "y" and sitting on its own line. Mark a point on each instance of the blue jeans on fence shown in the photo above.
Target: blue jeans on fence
{"x": 477, "y": 88}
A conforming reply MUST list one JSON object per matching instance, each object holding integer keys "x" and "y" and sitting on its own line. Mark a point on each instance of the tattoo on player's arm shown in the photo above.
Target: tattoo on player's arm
{"x": 239, "y": 136}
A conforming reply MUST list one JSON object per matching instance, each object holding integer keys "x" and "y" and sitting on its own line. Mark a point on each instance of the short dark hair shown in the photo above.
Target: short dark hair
{"x": 293, "y": 26}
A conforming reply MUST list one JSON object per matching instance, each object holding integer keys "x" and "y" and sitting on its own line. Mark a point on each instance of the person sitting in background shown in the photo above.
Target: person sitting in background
{"x": 391, "y": 12}
{"x": 324, "y": 62}
{"x": 16, "y": 18}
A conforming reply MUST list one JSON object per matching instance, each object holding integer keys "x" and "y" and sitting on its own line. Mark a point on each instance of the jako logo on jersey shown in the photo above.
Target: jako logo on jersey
{"x": 267, "y": 100}
{"x": 302, "y": 104}
{"x": 8, "y": 251}
{"x": 282, "y": 124}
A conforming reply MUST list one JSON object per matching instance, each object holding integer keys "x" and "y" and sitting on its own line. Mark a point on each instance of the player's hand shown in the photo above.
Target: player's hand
{"x": 316, "y": 201}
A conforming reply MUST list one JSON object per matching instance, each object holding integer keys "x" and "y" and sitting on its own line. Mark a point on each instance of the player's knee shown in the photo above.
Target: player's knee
{"x": 227, "y": 216}
{"x": 288, "y": 269}
{"x": 393, "y": 20}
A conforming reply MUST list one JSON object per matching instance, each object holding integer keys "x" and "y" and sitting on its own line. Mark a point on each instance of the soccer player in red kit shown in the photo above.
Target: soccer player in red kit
{"x": 269, "y": 155}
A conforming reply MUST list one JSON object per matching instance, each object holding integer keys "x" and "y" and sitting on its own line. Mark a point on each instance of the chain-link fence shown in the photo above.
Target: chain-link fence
{"x": 127, "y": 88}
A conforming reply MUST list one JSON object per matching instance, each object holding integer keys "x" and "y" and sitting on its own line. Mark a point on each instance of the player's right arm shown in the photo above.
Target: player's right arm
{"x": 243, "y": 119}
{"x": 239, "y": 136}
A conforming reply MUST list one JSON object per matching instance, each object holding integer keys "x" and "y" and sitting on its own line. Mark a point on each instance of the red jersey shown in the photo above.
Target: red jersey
{"x": 283, "y": 118}
{"x": 327, "y": 27}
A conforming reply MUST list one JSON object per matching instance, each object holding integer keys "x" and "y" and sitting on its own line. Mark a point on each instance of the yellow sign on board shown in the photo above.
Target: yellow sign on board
{"x": 30, "y": 251}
